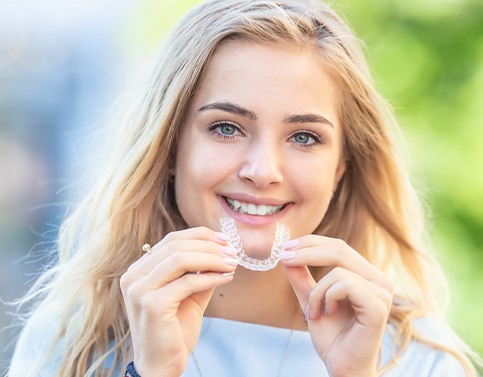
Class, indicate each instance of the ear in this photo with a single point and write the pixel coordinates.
(339, 172)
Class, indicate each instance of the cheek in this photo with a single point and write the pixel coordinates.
(316, 200)
(200, 167)
(192, 180)
(313, 185)
(313, 176)
(316, 194)
(190, 177)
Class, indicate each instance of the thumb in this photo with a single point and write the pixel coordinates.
(302, 283)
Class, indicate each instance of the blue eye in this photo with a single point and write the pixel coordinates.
(302, 138)
(225, 129)
(307, 138)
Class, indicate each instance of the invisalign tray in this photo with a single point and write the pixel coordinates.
(282, 235)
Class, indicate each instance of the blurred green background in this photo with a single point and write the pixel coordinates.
(427, 60)
(426, 57)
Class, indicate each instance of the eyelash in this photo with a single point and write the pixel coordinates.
(318, 140)
(214, 130)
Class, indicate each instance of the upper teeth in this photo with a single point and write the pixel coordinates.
(253, 209)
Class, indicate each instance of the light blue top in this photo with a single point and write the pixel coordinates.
(229, 348)
(236, 349)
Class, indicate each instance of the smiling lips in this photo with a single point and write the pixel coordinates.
(252, 209)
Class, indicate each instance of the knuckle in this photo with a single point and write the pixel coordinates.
(340, 245)
(347, 284)
(134, 293)
(189, 281)
(134, 296)
(338, 272)
(172, 244)
(340, 248)
(148, 304)
(387, 299)
(381, 310)
(126, 280)
(204, 231)
(176, 259)
(171, 236)
(390, 287)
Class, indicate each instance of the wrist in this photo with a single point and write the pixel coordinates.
(131, 371)
(360, 374)
(368, 373)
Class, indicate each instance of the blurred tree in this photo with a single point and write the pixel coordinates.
(427, 58)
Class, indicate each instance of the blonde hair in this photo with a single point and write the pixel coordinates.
(374, 208)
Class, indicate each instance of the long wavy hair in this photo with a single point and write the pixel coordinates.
(374, 209)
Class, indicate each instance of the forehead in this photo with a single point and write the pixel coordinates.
(257, 58)
(287, 76)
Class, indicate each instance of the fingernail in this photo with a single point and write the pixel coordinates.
(221, 236)
(228, 250)
(287, 255)
(290, 244)
(226, 274)
(307, 313)
(231, 261)
(326, 311)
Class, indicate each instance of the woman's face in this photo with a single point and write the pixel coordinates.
(261, 143)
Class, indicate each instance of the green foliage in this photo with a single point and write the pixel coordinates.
(427, 58)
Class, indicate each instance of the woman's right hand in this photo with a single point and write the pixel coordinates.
(166, 297)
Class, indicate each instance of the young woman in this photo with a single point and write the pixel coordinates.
(262, 112)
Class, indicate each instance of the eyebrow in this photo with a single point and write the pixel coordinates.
(307, 118)
(239, 110)
(230, 108)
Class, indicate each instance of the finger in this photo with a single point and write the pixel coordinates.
(148, 262)
(203, 298)
(180, 246)
(339, 274)
(197, 233)
(341, 284)
(368, 309)
(137, 262)
(170, 296)
(302, 283)
(177, 265)
(173, 266)
(320, 251)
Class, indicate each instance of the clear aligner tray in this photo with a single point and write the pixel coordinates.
(282, 235)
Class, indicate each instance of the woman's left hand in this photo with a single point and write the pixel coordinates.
(347, 309)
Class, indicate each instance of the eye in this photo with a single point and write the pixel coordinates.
(225, 129)
(307, 138)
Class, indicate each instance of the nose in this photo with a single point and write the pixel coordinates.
(262, 165)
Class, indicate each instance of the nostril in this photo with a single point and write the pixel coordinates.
(261, 173)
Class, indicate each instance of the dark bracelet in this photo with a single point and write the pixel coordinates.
(131, 371)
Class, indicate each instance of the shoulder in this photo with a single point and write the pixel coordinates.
(35, 353)
(41, 349)
(420, 358)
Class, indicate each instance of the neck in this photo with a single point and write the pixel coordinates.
(264, 298)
